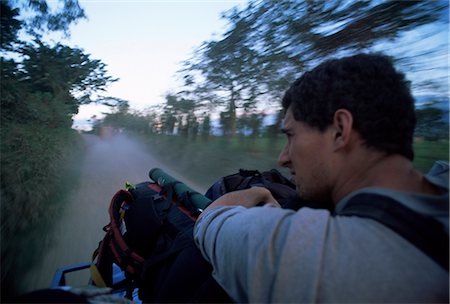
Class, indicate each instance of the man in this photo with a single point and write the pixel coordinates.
(349, 125)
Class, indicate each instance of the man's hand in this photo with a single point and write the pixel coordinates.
(247, 198)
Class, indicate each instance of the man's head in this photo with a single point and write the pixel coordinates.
(363, 94)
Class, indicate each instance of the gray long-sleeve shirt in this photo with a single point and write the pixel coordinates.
(276, 255)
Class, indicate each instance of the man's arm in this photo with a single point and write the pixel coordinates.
(246, 198)
(232, 239)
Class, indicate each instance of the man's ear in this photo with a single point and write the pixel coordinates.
(342, 128)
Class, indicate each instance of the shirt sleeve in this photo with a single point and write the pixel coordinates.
(244, 247)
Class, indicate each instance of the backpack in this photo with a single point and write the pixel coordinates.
(281, 188)
(150, 237)
(150, 227)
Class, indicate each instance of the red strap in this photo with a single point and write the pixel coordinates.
(118, 199)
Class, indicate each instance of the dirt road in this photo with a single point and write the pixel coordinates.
(108, 164)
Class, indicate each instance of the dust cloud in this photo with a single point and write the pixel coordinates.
(107, 165)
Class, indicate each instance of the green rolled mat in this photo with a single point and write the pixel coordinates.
(162, 178)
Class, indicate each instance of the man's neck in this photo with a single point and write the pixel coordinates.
(376, 170)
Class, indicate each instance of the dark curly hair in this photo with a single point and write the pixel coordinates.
(368, 86)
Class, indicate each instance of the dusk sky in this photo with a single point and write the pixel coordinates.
(144, 42)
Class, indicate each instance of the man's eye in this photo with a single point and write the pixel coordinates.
(287, 133)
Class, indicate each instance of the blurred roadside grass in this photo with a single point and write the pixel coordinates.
(38, 169)
(206, 161)
(427, 152)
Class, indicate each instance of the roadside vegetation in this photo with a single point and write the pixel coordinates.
(42, 86)
(427, 152)
(206, 161)
(39, 171)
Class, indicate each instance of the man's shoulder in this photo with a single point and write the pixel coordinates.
(434, 205)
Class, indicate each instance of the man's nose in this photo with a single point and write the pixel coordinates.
(283, 158)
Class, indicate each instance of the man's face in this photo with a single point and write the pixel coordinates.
(308, 156)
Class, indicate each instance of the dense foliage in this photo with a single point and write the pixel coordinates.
(42, 86)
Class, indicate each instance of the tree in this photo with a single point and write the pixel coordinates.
(180, 111)
(41, 18)
(432, 123)
(205, 130)
(36, 18)
(10, 25)
(250, 124)
(226, 68)
(48, 83)
(300, 33)
(53, 82)
(168, 121)
(269, 43)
